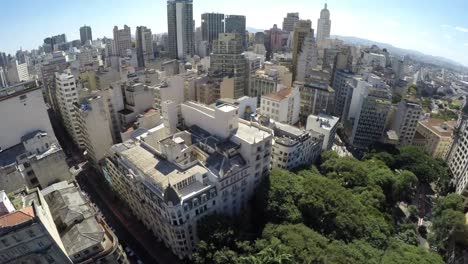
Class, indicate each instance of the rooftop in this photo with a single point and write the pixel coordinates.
(250, 133)
(18, 89)
(439, 127)
(158, 169)
(17, 217)
(280, 95)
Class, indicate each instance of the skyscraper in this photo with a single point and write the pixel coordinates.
(227, 60)
(274, 39)
(85, 34)
(290, 21)
(122, 40)
(211, 25)
(307, 60)
(323, 27)
(236, 24)
(302, 29)
(180, 28)
(144, 45)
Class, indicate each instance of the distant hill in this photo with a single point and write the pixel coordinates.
(254, 30)
(416, 55)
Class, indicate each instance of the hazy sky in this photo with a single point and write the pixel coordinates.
(436, 27)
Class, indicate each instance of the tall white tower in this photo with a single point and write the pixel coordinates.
(323, 27)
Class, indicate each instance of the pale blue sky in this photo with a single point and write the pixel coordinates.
(435, 27)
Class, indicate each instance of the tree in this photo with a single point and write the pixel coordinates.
(400, 253)
(349, 171)
(299, 241)
(357, 251)
(448, 221)
(284, 193)
(422, 165)
(404, 186)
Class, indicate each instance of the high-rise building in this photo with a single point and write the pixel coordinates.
(308, 59)
(316, 98)
(274, 41)
(370, 122)
(211, 25)
(86, 34)
(93, 118)
(180, 27)
(3, 78)
(290, 21)
(343, 93)
(58, 63)
(406, 120)
(323, 27)
(67, 95)
(227, 60)
(144, 45)
(302, 29)
(17, 72)
(122, 40)
(457, 158)
(236, 24)
(181, 177)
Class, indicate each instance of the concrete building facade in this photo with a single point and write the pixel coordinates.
(186, 175)
(282, 106)
(122, 40)
(405, 121)
(434, 136)
(227, 60)
(294, 147)
(289, 22)
(325, 125)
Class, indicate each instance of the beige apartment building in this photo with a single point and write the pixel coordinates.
(434, 136)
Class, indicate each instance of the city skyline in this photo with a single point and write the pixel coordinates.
(438, 29)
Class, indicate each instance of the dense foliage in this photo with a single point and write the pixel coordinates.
(344, 211)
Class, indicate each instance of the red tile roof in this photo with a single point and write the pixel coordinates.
(17, 217)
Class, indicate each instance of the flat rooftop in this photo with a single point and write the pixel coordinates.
(439, 127)
(250, 133)
(160, 170)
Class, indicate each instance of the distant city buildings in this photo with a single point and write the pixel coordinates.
(86, 34)
(180, 29)
(144, 45)
(122, 40)
(323, 27)
(237, 24)
(290, 21)
(302, 29)
(212, 24)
